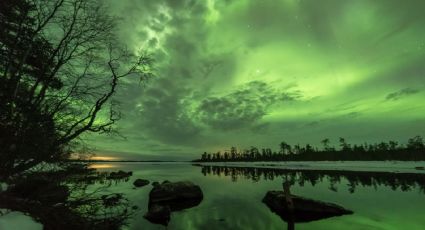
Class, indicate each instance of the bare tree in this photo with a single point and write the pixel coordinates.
(60, 67)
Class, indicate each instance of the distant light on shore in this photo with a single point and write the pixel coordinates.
(104, 158)
(102, 166)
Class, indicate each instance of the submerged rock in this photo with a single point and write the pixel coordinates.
(303, 209)
(158, 214)
(140, 182)
(172, 196)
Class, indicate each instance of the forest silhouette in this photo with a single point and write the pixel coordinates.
(414, 150)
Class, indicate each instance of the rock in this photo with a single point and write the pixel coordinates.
(305, 210)
(420, 168)
(177, 194)
(158, 214)
(155, 183)
(172, 196)
(140, 182)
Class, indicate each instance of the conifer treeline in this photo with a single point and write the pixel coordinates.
(414, 150)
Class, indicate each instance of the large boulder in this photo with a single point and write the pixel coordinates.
(303, 209)
(176, 194)
(172, 196)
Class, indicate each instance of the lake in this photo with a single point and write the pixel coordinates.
(233, 196)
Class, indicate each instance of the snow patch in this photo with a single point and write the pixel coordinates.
(18, 221)
(3, 186)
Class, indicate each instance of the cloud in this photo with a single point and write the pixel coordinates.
(161, 111)
(228, 72)
(401, 94)
(163, 115)
(242, 108)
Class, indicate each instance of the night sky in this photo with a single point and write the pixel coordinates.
(242, 73)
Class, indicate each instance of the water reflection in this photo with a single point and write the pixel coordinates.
(102, 166)
(238, 205)
(396, 181)
(74, 197)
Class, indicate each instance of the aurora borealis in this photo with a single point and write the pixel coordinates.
(245, 72)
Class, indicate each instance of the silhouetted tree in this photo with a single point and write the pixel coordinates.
(285, 148)
(383, 146)
(233, 153)
(269, 152)
(325, 143)
(393, 145)
(60, 66)
(343, 144)
(297, 148)
(226, 156)
(263, 154)
(416, 143)
(204, 156)
(253, 152)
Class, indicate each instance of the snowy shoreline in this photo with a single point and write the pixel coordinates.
(363, 166)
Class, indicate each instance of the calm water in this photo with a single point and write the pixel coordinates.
(232, 197)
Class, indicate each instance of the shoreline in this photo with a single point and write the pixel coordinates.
(360, 166)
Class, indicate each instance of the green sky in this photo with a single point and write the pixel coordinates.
(251, 72)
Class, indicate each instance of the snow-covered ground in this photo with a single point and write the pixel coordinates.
(18, 221)
(369, 166)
